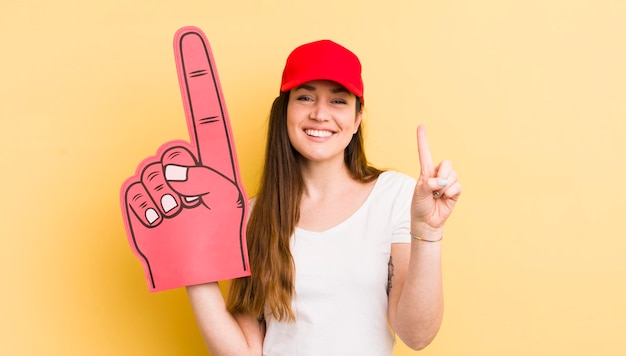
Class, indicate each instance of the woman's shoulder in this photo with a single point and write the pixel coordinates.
(393, 184)
(395, 178)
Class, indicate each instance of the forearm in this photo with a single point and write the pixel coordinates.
(420, 306)
(221, 331)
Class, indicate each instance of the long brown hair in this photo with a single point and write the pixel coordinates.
(274, 218)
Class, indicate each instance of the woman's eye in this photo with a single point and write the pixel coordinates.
(304, 98)
(339, 101)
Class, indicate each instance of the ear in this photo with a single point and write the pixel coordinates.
(357, 121)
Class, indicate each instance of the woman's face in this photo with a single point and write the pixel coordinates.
(321, 120)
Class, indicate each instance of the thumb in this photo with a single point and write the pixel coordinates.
(193, 182)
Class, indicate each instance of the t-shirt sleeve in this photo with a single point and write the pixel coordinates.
(405, 186)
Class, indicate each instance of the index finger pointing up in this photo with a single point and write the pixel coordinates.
(205, 109)
(426, 161)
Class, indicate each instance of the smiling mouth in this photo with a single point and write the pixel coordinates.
(318, 133)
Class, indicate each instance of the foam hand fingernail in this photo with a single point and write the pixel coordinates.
(168, 203)
(175, 173)
(151, 216)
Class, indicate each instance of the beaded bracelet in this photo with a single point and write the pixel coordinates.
(422, 239)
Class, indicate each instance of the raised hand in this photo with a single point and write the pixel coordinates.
(436, 192)
(185, 209)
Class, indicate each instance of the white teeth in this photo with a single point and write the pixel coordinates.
(318, 133)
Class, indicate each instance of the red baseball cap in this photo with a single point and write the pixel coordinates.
(323, 60)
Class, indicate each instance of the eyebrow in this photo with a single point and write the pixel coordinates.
(339, 89)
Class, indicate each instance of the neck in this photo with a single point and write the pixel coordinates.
(321, 178)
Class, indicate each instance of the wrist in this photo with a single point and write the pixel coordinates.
(422, 239)
(426, 232)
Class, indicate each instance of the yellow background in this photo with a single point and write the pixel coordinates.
(527, 98)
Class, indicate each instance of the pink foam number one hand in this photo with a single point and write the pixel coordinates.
(185, 209)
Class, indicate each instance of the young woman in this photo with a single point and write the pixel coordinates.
(343, 256)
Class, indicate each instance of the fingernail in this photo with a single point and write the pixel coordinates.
(151, 216)
(176, 173)
(190, 199)
(168, 202)
(442, 182)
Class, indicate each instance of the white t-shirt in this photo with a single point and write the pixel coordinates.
(340, 300)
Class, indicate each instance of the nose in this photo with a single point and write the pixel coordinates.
(319, 112)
